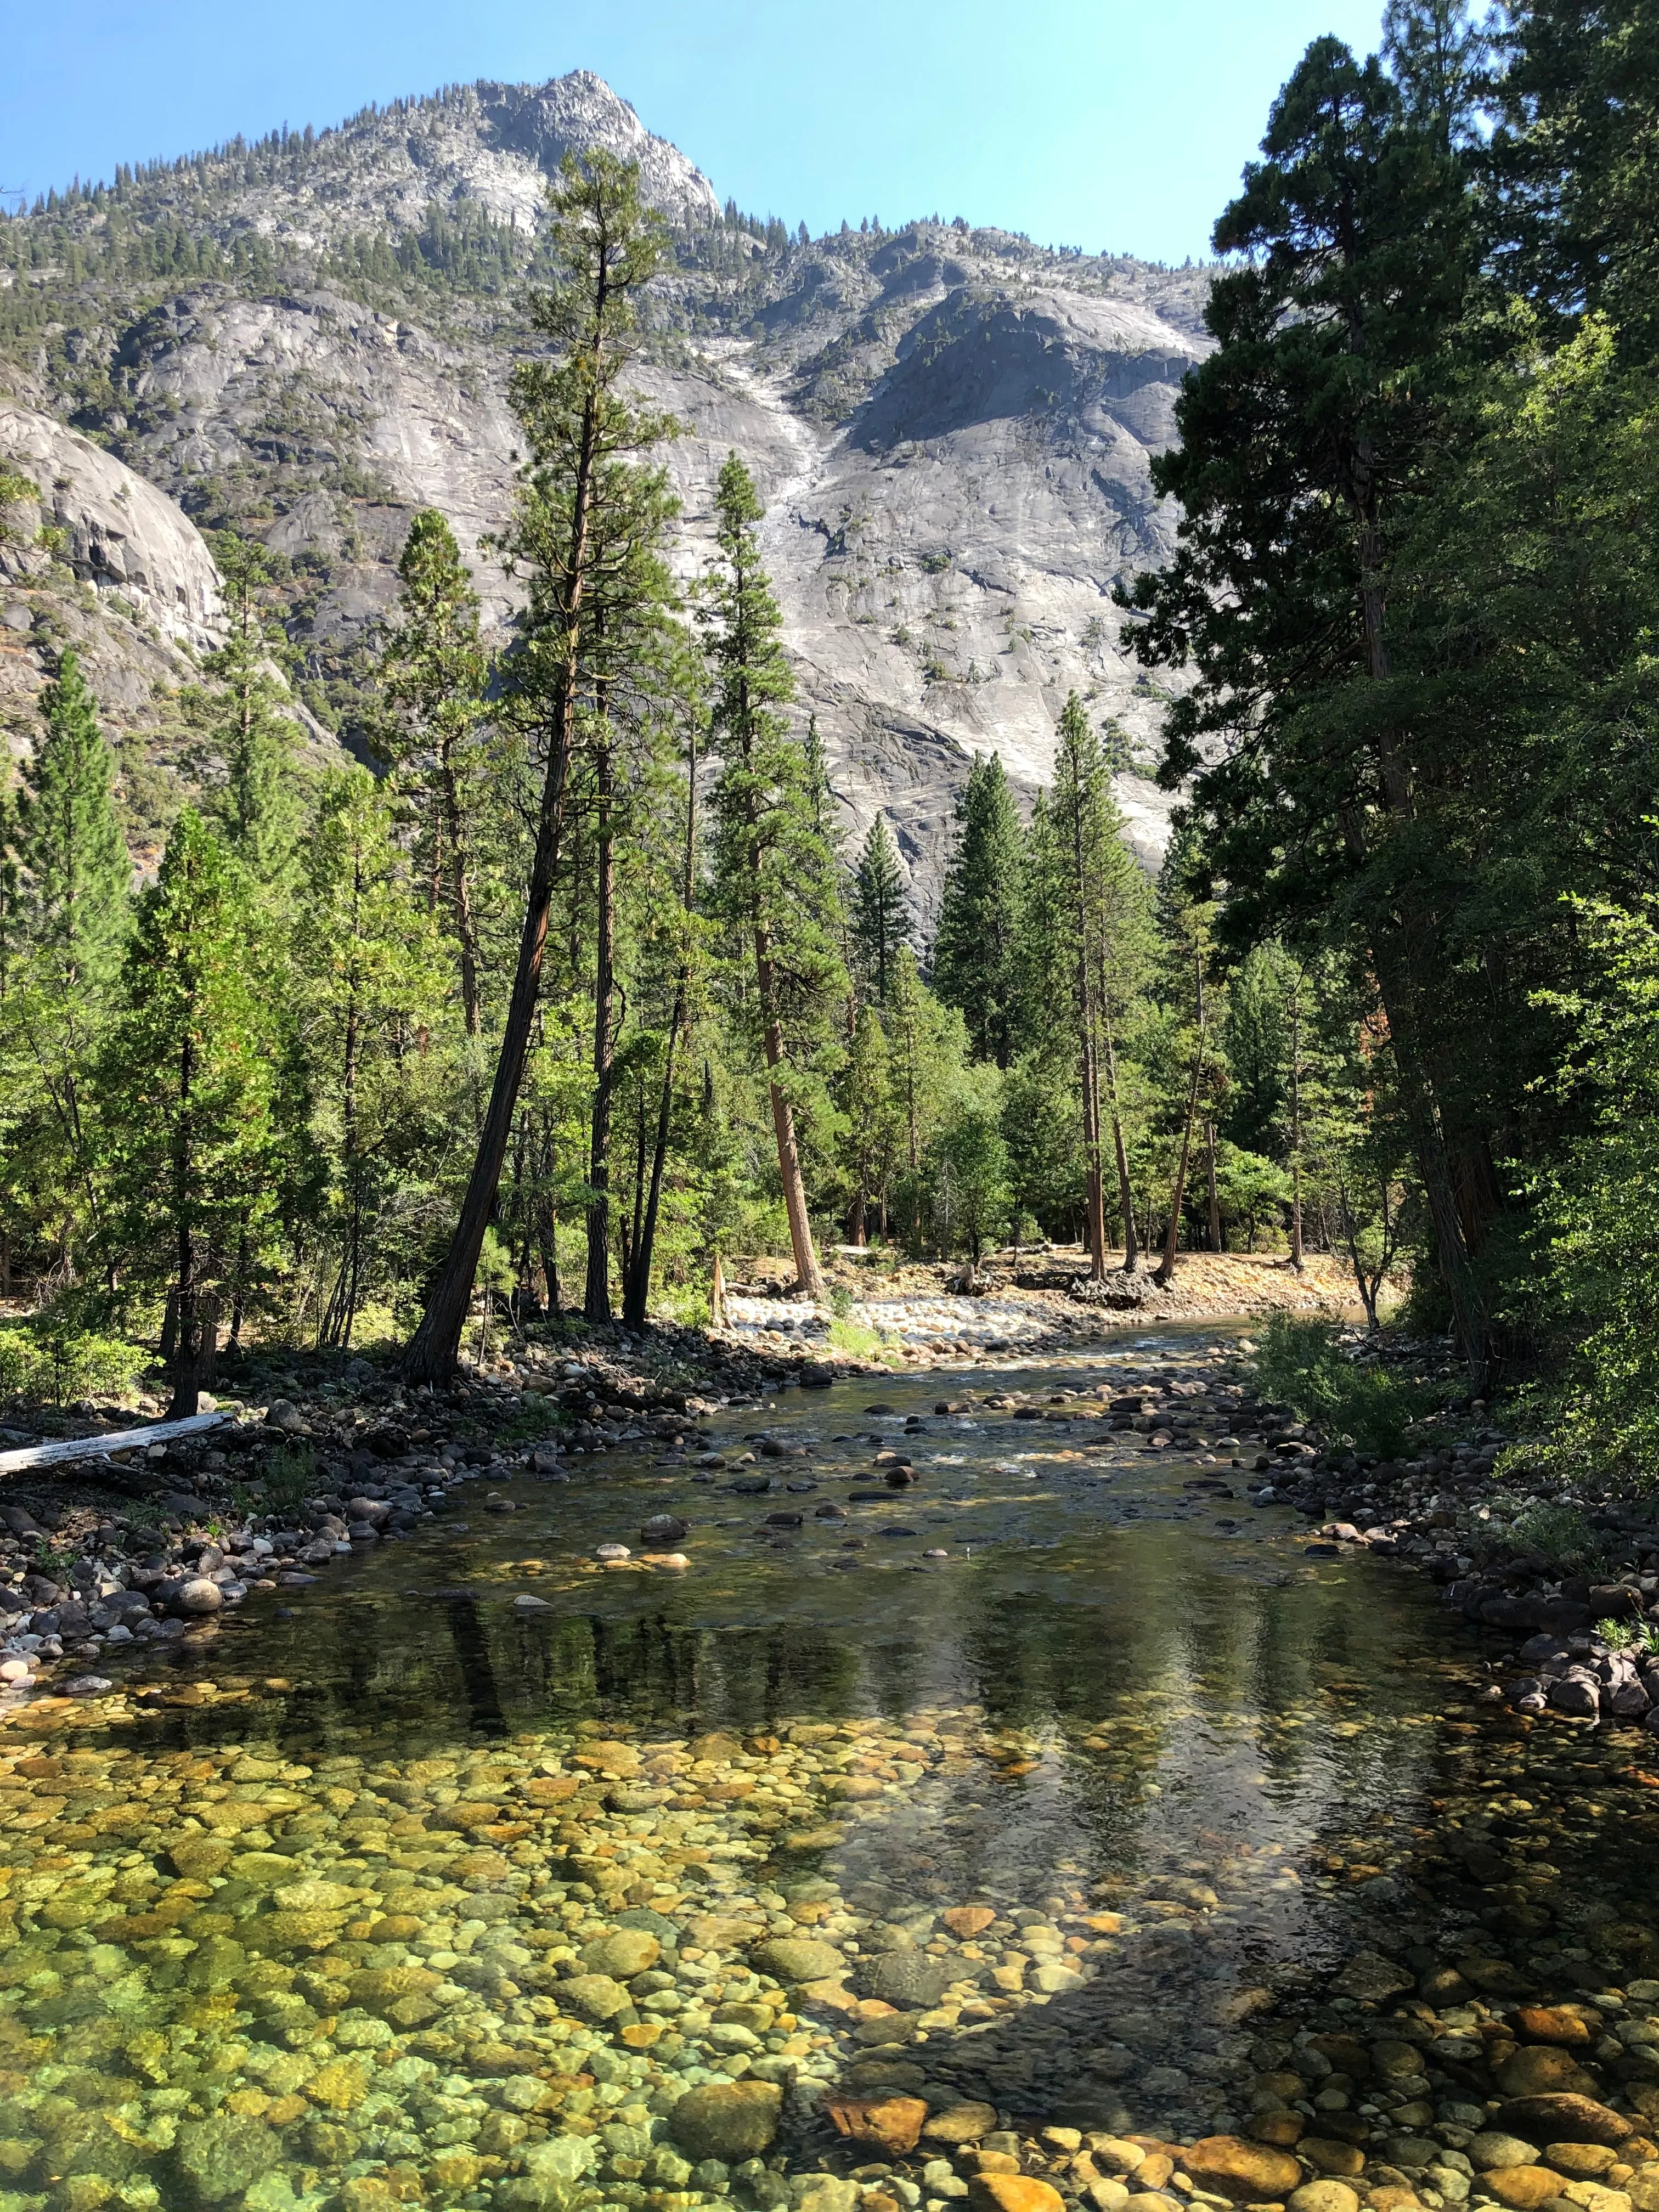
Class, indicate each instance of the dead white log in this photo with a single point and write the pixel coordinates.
(119, 1440)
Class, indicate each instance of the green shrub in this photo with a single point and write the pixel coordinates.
(288, 1474)
(45, 1360)
(1300, 1362)
(1560, 1533)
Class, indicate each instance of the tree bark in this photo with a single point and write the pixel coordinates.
(460, 894)
(1215, 1200)
(637, 1293)
(1163, 1274)
(596, 1303)
(809, 1275)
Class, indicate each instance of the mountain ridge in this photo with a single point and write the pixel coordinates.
(953, 427)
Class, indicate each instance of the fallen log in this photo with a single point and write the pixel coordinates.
(118, 1440)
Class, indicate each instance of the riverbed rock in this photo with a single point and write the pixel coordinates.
(1491, 2150)
(593, 1997)
(1540, 2069)
(910, 1979)
(630, 1951)
(1570, 2117)
(1013, 2192)
(1372, 1978)
(727, 2120)
(964, 2123)
(196, 1598)
(1248, 2173)
(893, 2123)
(1523, 2188)
(1322, 2197)
(798, 1958)
(1550, 2024)
(219, 2158)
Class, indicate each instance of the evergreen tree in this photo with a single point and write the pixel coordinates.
(75, 871)
(583, 484)
(878, 918)
(363, 960)
(244, 716)
(775, 876)
(187, 1082)
(434, 672)
(66, 910)
(870, 1125)
(974, 965)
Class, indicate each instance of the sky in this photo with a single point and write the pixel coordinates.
(1113, 126)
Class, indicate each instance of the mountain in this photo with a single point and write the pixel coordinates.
(309, 338)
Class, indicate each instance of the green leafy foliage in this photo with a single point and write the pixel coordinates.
(1300, 1362)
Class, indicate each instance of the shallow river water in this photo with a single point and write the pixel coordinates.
(484, 1873)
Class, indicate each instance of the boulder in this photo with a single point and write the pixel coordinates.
(728, 2120)
(594, 1996)
(797, 1959)
(630, 1951)
(911, 1979)
(894, 2125)
(1540, 2070)
(1248, 2173)
(1564, 2117)
(1013, 2192)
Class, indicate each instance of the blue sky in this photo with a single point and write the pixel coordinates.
(1115, 124)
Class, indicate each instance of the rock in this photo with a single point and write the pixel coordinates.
(1322, 2197)
(630, 1951)
(798, 1958)
(1572, 2119)
(1581, 2162)
(894, 2124)
(220, 2157)
(1523, 2188)
(1540, 2070)
(966, 1921)
(1013, 2192)
(910, 1979)
(1326, 2155)
(730, 2121)
(1486, 2151)
(553, 2173)
(663, 1529)
(196, 1598)
(965, 2122)
(1550, 2024)
(1248, 2173)
(593, 1997)
(1372, 1978)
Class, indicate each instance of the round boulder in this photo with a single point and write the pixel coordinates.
(1248, 2173)
(630, 1951)
(196, 1598)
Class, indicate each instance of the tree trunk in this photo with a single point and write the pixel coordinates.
(186, 1341)
(596, 1303)
(1125, 1192)
(1215, 1200)
(809, 1275)
(717, 1295)
(637, 1293)
(1163, 1274)
(460, 894)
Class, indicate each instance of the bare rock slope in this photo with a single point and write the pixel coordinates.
(953, 429)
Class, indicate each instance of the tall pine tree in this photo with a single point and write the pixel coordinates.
(974, 953)
(877, 919)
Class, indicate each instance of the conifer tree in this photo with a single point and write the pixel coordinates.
(582, 483)
(187, 1082)
(878, 918)
(244, 716)
(435, 672)
(774, 874)
(66, 892)
(871, 1128)
(974, 953)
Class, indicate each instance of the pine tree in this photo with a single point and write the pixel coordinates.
(435, 672)
(878, 918)
(364, 965)
(583, 484)
(66, 892)
(245, 718)
(186, 1083)
(774, 875)
(974, 953)
(870, 1126)
(73, 859)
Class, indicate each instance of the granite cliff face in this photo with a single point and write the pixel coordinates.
(952, 428)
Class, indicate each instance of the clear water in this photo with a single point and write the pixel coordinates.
(287, 1919)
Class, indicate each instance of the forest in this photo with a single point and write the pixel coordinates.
(582, 989)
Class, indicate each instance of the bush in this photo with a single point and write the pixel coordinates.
(1560, 1533)
(42, 1360)
(1301, 1362)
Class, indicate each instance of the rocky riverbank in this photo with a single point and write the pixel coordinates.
(1572, 1579)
